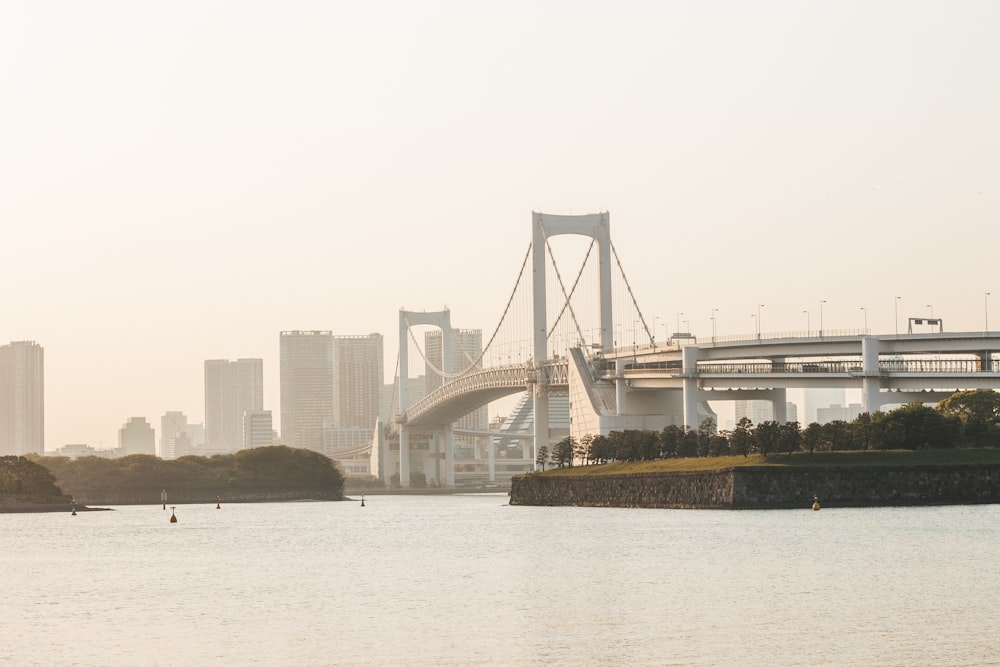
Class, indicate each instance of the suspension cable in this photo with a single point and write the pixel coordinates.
(442, 373)
(630, 293)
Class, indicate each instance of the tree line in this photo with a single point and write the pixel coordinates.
(260, 469)
(965, 419)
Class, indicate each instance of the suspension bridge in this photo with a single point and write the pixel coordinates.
(575, 353)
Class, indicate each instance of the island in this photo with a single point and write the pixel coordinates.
(26, 486)
(837, 479)
(262, 474)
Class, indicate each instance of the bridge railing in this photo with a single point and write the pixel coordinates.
(845, 366)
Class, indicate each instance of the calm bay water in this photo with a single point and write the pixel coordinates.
(468, 580)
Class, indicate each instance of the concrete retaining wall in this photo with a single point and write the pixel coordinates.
(767, 487)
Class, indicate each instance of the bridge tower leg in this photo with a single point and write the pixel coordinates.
(596, 226)
(871, 381)
(442, 320)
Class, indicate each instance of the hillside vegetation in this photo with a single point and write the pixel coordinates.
(264, 471)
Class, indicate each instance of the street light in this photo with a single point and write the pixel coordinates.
(931, 309)
(866, 318)
(678, 329)
(759, 306)
(986, 311)
(896, 313)
(808, 327)
(821, 302)
(756, 326)
(714, 311)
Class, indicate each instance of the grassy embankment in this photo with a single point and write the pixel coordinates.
(798, 459)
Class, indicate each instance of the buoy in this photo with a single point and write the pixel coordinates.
(217, 501)
(173, 517)
(362, 501)
(163, 498)
(815, 503)
(74, 510)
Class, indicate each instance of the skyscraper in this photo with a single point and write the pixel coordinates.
(232, 388)
(136, 436)
(357, 380)
(257, 429)
(22, 399)
(172, 425)
(306, 387)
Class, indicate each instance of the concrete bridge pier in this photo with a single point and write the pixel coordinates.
(871, 382)
(689, 371)
(448, 434)
(404, 456)
(779, 405)
(620, 389)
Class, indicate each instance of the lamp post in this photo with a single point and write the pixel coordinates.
(808, 327)
(896, 313)
(756, 326)
(714, 311)
(821, 302)
(759, 306)
(931, 308)
(865, 311)
(678, 329)
(986, 311)
(655, 318)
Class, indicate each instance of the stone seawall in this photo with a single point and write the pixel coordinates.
(767, 488)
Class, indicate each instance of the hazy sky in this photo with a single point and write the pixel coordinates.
(181, 181)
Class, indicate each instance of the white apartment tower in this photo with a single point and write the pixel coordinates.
(232, 388)
(258, 430)
(22, 399)
(172, 424)
(306, 387)
(357, 380)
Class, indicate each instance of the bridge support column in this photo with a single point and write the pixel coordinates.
(491, 460)
(871, 381)
(779, 406)
(620, 407)
(449, 456)
(404, 456)
(540, 403)
(986, 361)
(689, 370)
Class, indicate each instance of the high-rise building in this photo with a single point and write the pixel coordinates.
(232, 388)
(467, 345)
(136, 436)
(306, 387)
(357, 380)
(22, 399)
(258, 430)
(763, 411)
(172, 424)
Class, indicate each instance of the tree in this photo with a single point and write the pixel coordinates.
(584, 448)
(601, 449)
(979, 412)
(916, 426)
(563, 451)
(768, 437)
(670, 441)
(811, 437)
(789, 437)
(543, 457)
(741, 441)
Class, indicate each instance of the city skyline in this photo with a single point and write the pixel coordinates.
(182, 184)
